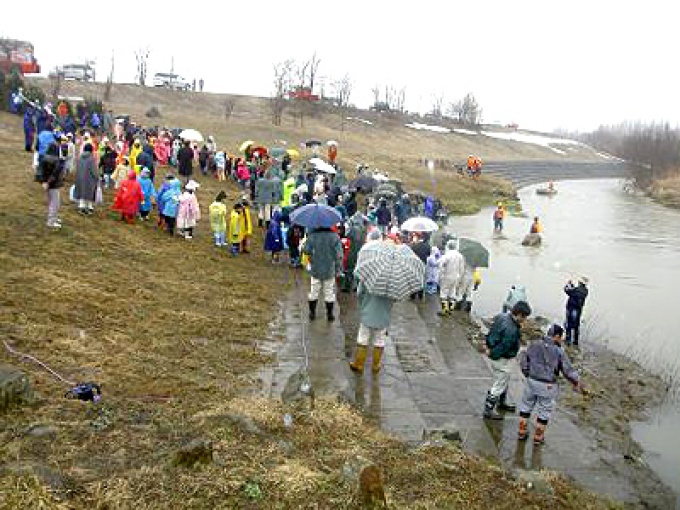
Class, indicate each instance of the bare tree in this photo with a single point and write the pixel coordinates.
(228, 105)
(437, 106)
(376, 95)
(343, 90)
(282, 81)
(304, 98)
(56, 81)
(313, 66)
(400, 100)
(142, 58)
(467, 110)
(108, 86)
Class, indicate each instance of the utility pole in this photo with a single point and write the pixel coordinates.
(172, 65)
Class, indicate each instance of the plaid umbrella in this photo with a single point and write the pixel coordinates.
(390, 270)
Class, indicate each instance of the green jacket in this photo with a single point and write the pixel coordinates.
(375, 311)
(503, 337)
(325, 251)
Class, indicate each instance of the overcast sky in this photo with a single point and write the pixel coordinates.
(543, 64)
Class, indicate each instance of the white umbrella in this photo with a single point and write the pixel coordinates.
(419, 224)
(331, 143)
(191, 135)
(381, 177)
(321, 166)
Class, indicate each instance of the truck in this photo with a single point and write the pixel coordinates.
(17, 56)
(78, 72)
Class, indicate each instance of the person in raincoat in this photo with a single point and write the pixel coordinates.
(375, 314)
(218, 219)
(498, 217)
(235, 228)
(242, 174)
(325, 253)
(149, 194)
(189, 211)
(246, 225)
(432, 271)
(185, 160)
(121, 172)
(541, 364)
(168, 202)
(515, 294)
(135, 151)
(451, 272)
(356, 234)
(273, 241)
(87, 179)
(220, 164)
(129, 198)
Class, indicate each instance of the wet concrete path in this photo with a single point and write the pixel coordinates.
(434, 380)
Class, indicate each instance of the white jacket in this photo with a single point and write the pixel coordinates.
(451, 268)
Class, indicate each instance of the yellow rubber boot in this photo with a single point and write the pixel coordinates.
(377, 358)
(360, 360)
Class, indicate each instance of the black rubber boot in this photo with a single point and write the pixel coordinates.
(504, 405)
(490, 412)
(329, 311)
(312, 310)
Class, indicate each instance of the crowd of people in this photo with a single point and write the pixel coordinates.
(121, 155)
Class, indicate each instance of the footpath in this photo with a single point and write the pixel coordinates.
(433, 382)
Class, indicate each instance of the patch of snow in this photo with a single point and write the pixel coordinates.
(544, 141)
(466, 132)
(605, 155)
(427, 127)
(360, 120)
(558, 151)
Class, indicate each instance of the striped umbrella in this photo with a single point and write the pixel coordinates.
(390, 270)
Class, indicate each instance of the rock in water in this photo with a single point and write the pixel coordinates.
(198, 451)
(532, 240)
(15, 389)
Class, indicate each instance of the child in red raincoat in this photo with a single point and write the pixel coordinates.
(129, 198)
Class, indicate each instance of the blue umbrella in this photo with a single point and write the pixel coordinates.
(315, 216)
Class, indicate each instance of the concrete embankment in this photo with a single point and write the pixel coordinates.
(525, 173)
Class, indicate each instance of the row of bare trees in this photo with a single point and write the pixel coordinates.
(466, 110)
(654, 148)
(294, 86)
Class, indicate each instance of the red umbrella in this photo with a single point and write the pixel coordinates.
(262, 151)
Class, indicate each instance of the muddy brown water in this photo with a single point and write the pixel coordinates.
(629, 248)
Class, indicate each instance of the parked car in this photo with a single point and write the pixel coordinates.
(170, 81)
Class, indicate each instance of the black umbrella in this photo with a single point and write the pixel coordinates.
(312, 143)
(364, 183)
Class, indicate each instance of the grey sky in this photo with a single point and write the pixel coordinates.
(543, 64)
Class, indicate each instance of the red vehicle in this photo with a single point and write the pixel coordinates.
(303, 93)
(17, 56)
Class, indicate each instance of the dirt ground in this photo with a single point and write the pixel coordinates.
(171, 329)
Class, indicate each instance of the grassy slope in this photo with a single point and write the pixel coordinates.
(171, 328)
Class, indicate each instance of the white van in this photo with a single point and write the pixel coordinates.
(79, 72)
(170, 81)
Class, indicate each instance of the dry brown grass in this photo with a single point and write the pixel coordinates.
(171, 329)
(667, 191)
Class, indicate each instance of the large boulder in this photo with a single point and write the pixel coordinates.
(532, 240)
(15, 388)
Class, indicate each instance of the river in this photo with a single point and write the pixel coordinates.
(629, 248)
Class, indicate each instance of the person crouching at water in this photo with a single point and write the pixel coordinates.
(374, 319)
(502, 346)
(536, 227)
(325, 253)
(542, 364)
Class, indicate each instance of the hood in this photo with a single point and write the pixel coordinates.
(132, 175)
(452, 245)
(434, 252)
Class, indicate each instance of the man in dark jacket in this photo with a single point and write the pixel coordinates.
(575, 303)
(53, 180)
(384, 217)
(502, 346)
(325, 253)
(421, 247)
(185, 158)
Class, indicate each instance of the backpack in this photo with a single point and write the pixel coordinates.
(42, 173)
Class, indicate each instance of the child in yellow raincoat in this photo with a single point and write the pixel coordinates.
(218, 219)
(246, 226)
(235, 228)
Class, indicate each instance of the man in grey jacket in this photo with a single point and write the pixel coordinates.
(325, 252)
(542, 364)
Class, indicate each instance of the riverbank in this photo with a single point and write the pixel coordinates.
(172, 330)
(666, 192)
